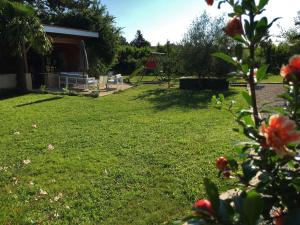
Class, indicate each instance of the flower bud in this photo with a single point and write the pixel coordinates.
(221, 163)
(203, 206)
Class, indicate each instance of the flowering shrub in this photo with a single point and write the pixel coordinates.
(268, 189)
(292, 69)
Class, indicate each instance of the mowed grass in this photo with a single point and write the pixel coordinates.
(136, 157)
(269, 79)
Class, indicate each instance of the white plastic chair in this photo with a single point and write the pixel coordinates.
(119, 79)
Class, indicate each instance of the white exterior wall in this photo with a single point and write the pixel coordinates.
(8, 81)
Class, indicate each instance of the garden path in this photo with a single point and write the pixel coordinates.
(267, 93)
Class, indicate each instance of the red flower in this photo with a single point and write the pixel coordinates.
(204, 206)
(295, 63)
(278, 221)
(292, 68)
(280, 132)
(234, 27)
(209, 2)
(278, 217)
(286, 71)
(221, 163)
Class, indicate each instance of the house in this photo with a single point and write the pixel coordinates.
(66, 57)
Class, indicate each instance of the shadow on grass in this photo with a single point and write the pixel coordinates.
(40, 101)
(185, 99)
(6, 94)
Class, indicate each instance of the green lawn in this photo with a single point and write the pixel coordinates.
(136, 157)
(273, 79)
(269, 79)
(139, 78)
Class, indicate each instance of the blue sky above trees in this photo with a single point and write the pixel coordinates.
(162, 20)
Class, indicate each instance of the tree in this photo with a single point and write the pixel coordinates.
(50, 10)
(171, 62)
(130, 58)
(20, 30)
(123, 41)
(139, 41)
(204, 37)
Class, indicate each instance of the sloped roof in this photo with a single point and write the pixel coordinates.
(70, 31)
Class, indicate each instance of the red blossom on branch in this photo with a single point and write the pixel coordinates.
(234, 27)
(292, 68)
(280, 132)
(209, 2)
(278, 217)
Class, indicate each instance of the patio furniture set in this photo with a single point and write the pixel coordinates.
(77, 80)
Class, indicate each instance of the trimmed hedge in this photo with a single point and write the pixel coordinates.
(192, 83)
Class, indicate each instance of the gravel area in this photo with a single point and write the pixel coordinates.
(113, 88)
(267, 93)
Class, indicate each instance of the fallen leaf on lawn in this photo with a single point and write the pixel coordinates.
(42, 192)
(59, 196)
(26, 161)
(50, 147)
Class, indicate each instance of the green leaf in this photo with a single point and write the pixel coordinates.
(262, 72)
(238, 9)
(226, 212)
(285, 96)
(249, 121)
(233, 164)
(225, 57)
(214, 99)
(212, 193)
(240, 39)
(245, 68)
(296, 184)
(252, 208)
(243, 113)
(239, 51)
(262, 25)
(221, 97)
(249, 170)
(247, 97)
(273, 21)
(220, 4)
(262, 4)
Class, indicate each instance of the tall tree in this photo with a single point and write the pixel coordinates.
(204, 37)
(139, 41)
(20, 30)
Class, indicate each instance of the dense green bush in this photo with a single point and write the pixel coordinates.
(130, 58)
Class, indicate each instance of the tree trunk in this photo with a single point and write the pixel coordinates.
(22, 69)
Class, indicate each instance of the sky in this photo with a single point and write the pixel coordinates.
(162, 20)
